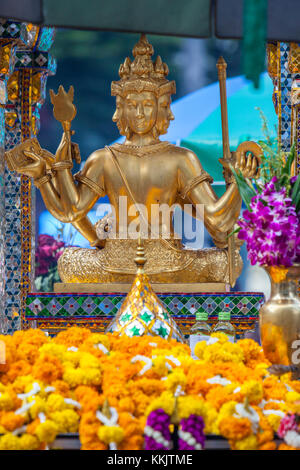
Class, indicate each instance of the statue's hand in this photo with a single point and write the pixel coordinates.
(248, 159)
(67, 151)
(36, 166)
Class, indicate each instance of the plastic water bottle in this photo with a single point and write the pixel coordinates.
(200, 331)
(224, 326)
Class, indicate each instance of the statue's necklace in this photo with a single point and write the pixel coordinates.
(140, 151)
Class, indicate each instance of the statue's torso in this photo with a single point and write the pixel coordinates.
(152, 179)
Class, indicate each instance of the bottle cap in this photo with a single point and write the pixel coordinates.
(224, 316)
(201, 316)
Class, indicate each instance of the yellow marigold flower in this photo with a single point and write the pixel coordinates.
(165, 401)
(58, 350)
(253, 390)
(47, 431)
(91, 377)
(174, 379)
(28, 442)
(98, 338)
(38, 407)
(9, 442)
(221, 337)
(248, 443)
(73, 377)
(223, 352)
(66, 420)
(55, 402)
(72, 358)
(88, 361)
(159, 366)
(199, 349)
(2, 429)
(6, 402)
(274, 421)
(108, 434)
(228, 409)
(291, 397)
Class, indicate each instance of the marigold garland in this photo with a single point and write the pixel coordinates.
(51, 386)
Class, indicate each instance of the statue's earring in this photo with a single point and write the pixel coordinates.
(155, 132)
(127, 132)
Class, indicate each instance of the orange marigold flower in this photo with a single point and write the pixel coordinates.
(252, 352)
(17, 369)
(61, 387)
(47, 368)
(284, 446)
(31, 427)
(11, 421)
(235, 428)
(73, 336)
(271, 445)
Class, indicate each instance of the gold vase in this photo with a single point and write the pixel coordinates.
(279, 320)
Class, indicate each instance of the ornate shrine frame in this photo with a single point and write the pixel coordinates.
(25, 64)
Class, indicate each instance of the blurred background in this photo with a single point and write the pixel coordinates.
(89, 60)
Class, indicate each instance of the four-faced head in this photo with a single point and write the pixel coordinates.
(143, 113)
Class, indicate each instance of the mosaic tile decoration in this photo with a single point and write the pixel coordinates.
(55, 312)
(27, 60)
(285, 98)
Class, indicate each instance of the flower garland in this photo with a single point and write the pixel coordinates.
(289, 431)
(59, 385)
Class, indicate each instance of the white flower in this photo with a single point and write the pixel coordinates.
(292, 439)
(145, 359)
(102, 348)
(217, 379)
(108, 421)
(72, 402)
(274, 412)
(250, 413)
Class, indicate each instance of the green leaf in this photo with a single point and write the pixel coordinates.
(234, 231)
(246, 192)
(290, 158)
(296, 190)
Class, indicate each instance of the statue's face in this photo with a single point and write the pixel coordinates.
(140, 111)
(118, 116)
(164, 113)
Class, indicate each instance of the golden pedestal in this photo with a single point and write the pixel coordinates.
(95, 288)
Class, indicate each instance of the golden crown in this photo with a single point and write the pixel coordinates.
(142, 74)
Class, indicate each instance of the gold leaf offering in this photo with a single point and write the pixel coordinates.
(63, 108)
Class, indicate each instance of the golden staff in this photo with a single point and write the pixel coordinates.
(64, 111)
(227, 157)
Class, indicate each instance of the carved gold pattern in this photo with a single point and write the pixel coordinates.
(115, 263)
(272, 55)
(294, 58)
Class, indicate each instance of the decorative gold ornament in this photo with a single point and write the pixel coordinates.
(5, 57)
(13, 87)
(11, 118)
(142, 313)
(294, 58)
(272, 55)
(142, 74)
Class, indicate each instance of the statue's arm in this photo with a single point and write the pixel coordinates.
(194, 184)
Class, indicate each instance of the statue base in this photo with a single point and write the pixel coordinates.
(54, 312)
(95, 288)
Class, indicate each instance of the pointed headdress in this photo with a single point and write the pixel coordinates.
(142, 74)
